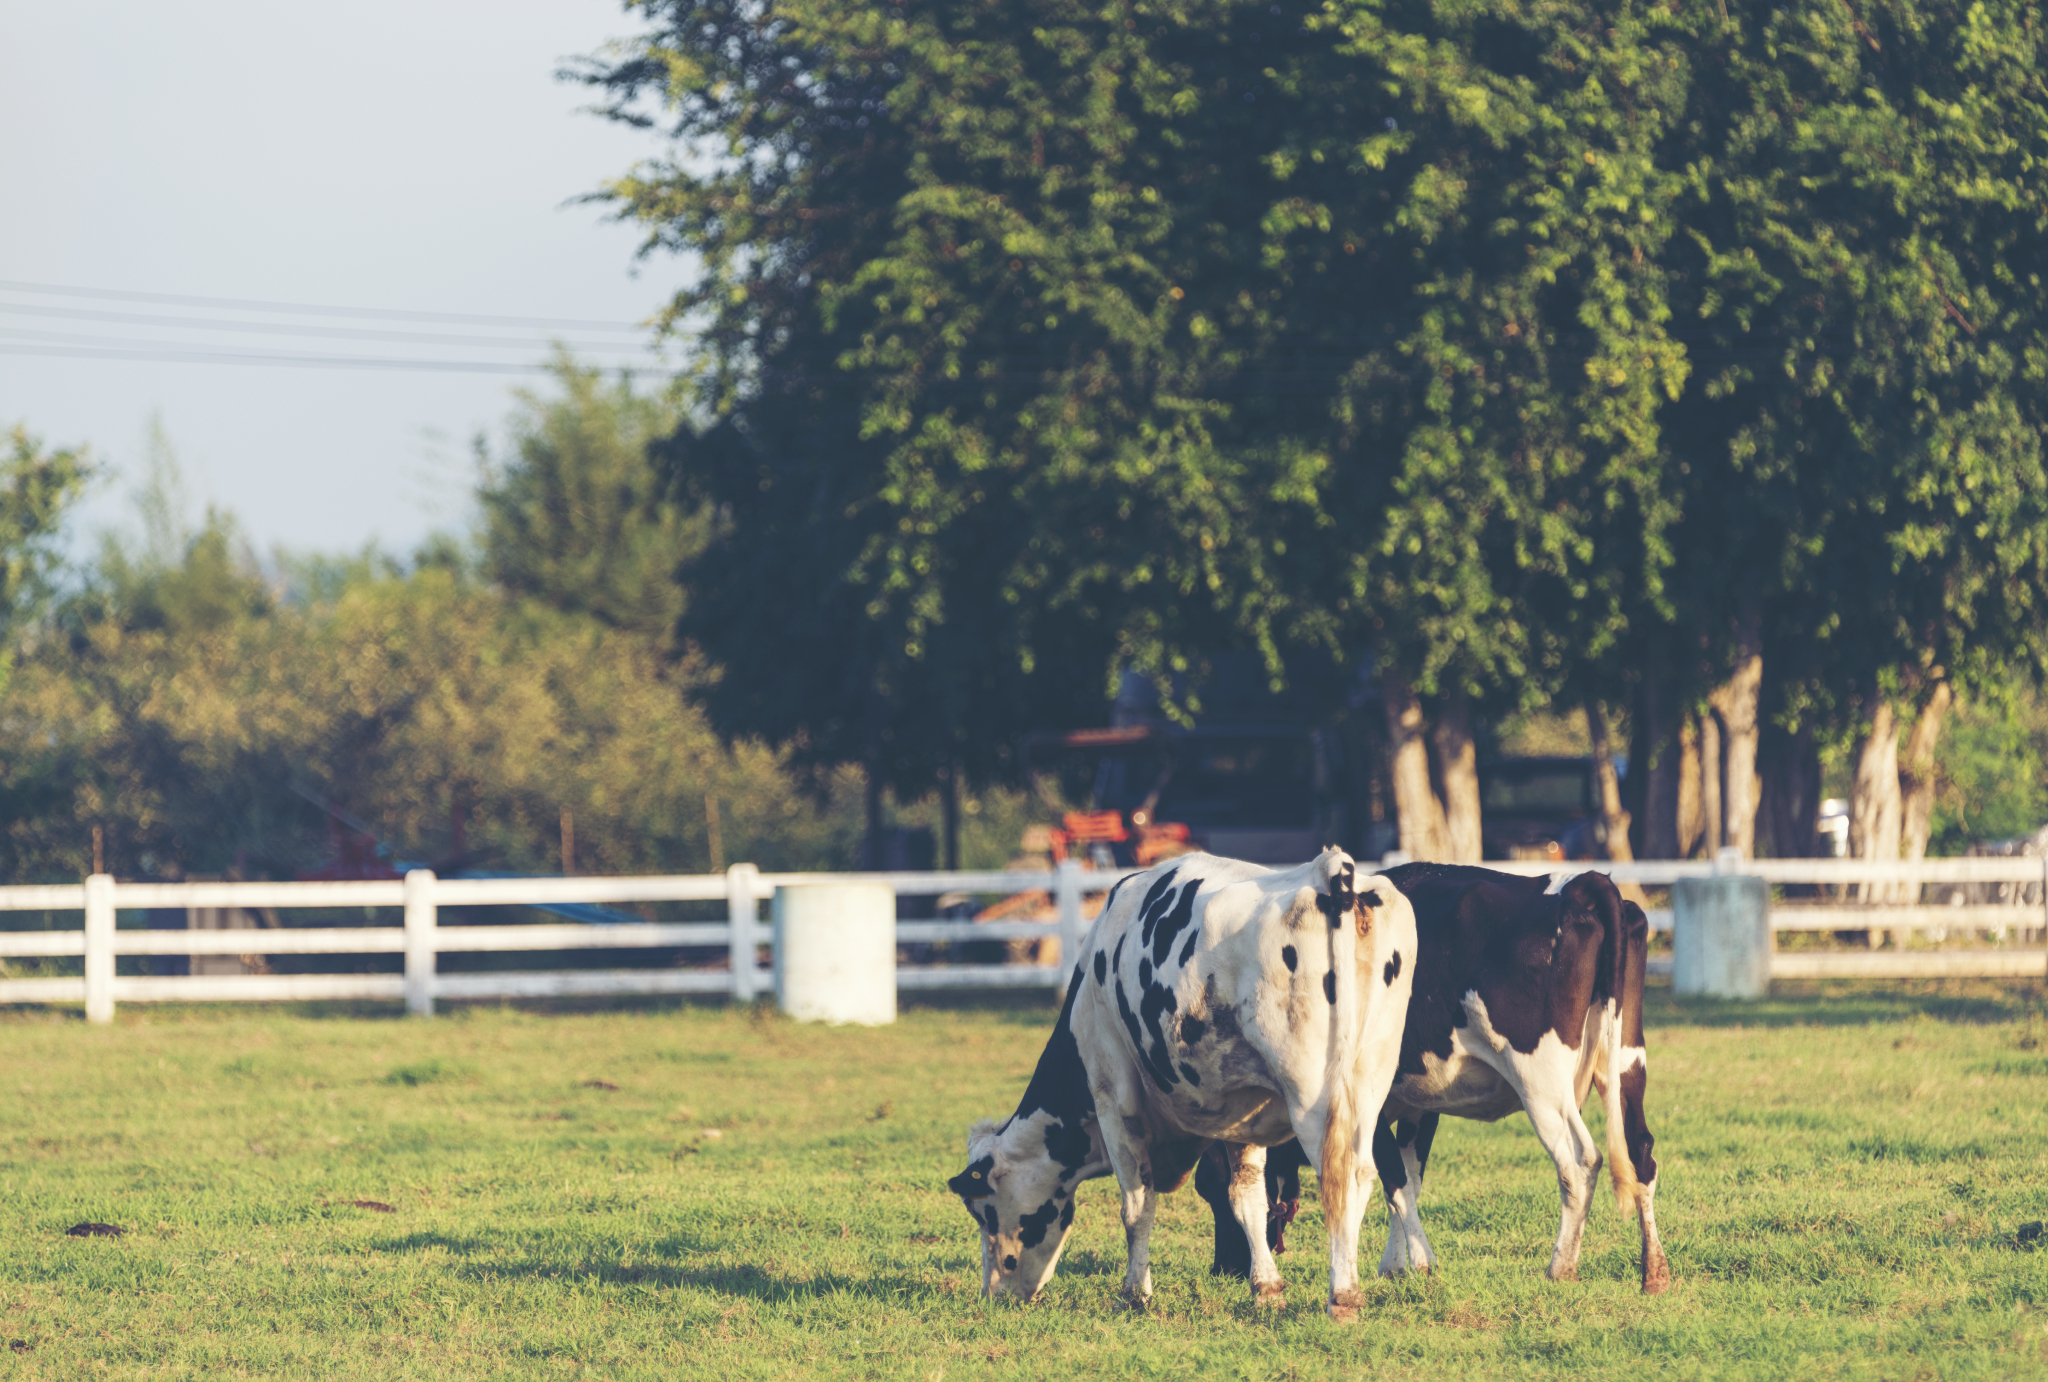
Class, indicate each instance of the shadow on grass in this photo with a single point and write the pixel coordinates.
(672, 1266)
(1846, 1003)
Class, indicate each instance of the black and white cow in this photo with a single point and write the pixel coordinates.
(1525, 996)
(1215, 1002)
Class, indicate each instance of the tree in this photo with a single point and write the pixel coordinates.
(576, 516)
(1535, 353)
(1863, 486)
(37, 487)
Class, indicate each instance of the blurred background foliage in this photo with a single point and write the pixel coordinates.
(196, 701)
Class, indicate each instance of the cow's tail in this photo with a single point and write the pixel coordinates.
(1621, 1014)
(1340, 1141)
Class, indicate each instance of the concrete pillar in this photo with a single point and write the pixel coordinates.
(1721, 937)
(835, 952)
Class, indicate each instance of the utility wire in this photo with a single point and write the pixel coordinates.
(352, 333)
(315, 309)
(231, 357)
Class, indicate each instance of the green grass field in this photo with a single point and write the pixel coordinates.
(1844, 1176)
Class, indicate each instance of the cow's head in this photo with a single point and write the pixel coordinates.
(1019, 1187)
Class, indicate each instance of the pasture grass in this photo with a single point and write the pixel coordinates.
(711, 1193)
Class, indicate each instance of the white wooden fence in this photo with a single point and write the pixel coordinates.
(2023, 881)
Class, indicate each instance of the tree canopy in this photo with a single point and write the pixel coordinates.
(1523, 350)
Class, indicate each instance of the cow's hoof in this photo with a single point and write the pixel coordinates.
(1344, 1305)
(1273, 1295)
(1656, 1277)
(1570, 1273)
(1130, 1300)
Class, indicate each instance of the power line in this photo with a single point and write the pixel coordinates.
(353, 333)
(315, 309)
(193, 356)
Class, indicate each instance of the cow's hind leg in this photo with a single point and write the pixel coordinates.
(1636, 1132)
(1248, 1208)
(1345, 1189)
(1565, 1136)
(1400, 1152)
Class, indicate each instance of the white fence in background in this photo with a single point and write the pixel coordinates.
(2006, 899)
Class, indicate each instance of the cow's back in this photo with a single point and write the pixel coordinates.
(1215, 979)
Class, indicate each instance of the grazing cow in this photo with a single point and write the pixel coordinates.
(1215, 1001)
(1524, 997)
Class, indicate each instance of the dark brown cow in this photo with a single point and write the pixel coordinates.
(1525, 997)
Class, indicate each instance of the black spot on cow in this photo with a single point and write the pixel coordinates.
(1067, 1145)
(1158, 887)
(1330, 986)
(1037, 1222)
(1393, 969)
(1144, 974)
(972, 1183)
(989, 1218)
(1371, 899)
(1171, 925)
(1067, 1215)
(1192, 1029)
(1010, 1263)
(1190, 1074)
(1187, 952)
(1116, 960)
(1123, 1010)
(1101, 965)
(1336, 902)
(1157, 1002)
(1289, 958)
(1156, 902)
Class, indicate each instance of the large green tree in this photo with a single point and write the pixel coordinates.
(1529, 351)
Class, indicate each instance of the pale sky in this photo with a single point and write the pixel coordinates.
(413, 156)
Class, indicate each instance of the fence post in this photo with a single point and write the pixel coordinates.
(1067, 889)
(742, 912)
(99, 948)
(420, 947)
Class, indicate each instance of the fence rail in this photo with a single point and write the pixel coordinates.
(2003, 897)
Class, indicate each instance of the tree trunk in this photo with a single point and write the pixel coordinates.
(1633, 798)
(1710, 784)
(1875, 815)
(1607, 788)
(1419, 818)
(1691, 804)
(1916, 775)
(871, 846)
(1458, 769)
(949, 803)
(1791, 806)
(1657, 763)
(1736, 703)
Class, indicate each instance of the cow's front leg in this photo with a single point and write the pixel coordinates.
(1248, 1206)
(1127, 1142)
(1565, 1136)
(1401, 1153)
(1140, 1202)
